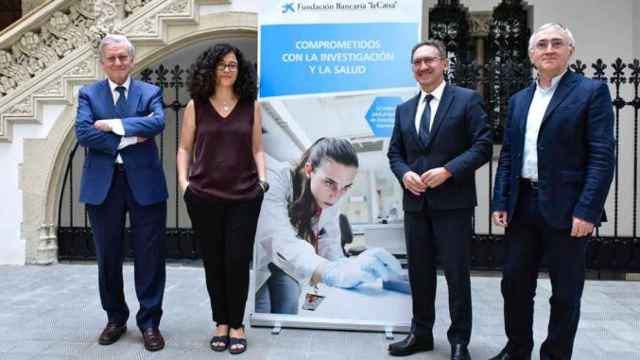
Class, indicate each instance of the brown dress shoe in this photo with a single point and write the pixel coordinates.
(153, 340)
(111, 333)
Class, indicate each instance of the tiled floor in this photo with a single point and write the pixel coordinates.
(53, 312)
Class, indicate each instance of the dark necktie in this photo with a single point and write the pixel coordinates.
(121, 103)
(425, 120)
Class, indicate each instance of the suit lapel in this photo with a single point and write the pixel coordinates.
(447, 98)
(107, 96)
(135, 93)
(565, 86)
(522, 112)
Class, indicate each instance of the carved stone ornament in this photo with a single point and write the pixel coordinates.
(148, 26)
(23, 107)
(132, 5)
(64, 31)
(109, 14)
(53, 88)
(479, 24)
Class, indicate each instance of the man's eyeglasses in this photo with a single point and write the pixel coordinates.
(426, 60)
(233, 67)
(556, 44)
(112, 59)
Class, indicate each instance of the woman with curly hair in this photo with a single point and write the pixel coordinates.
(221, 171)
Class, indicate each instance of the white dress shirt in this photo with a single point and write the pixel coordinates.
(435, 102)
(539, 103)
(437, 96)
(116, 124)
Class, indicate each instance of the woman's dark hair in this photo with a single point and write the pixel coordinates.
(303, 206)
(201, 80)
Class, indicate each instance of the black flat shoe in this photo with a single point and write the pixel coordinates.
(216, 341)
(240, 345)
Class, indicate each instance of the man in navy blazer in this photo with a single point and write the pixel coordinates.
(553, 177)
(116, 122)
(440, 138)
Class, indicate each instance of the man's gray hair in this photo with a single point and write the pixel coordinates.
(556, 26)
(111, 39)
(433, 43)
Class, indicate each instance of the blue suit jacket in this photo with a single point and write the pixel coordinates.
(459, 140)
(575, 152)
(141, 161)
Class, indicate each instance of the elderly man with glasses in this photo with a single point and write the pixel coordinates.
(553, 177)
(116, 122)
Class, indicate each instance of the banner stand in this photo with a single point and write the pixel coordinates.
(278, 321)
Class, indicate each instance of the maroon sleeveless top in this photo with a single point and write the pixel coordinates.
(223, 165)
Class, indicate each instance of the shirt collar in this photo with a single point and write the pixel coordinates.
(113, 85)
(436, 93)
(554, 82)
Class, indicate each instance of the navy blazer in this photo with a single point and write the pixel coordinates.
(575, 152)
(460, 140)
(141, 161)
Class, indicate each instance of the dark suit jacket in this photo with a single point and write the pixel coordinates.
(575, 152)
(141, 161)
(460, 140)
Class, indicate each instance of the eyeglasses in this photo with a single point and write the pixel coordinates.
(232, 66)
(426, 60)
(543, 44)
(112, 59)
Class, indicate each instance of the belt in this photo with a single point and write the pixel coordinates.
(118, 167)
(533, 185)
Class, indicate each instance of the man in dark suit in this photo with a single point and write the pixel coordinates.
(116, 121)
(553, 177)
(439, 139)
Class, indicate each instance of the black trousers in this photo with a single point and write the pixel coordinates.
(527, 240)
(446, 235)
(148, 229)
(225, 231)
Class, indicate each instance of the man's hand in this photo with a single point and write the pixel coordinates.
(500, 218)
(103, 125)
(412, 182)
(581, 228)
(141, 139)
(434, 177)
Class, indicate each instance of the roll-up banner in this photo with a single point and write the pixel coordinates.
(338, 69)
(325, 47)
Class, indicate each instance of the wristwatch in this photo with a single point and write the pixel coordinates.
(263, 185)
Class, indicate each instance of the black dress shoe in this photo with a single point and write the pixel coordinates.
(111, 333)
(153, 340)
(411, 345)
(460, 352)
(504, 355)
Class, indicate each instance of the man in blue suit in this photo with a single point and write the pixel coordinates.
(553, 177)
(439, 139)
(117, 120)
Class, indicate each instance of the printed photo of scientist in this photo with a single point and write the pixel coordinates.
(298, 241)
